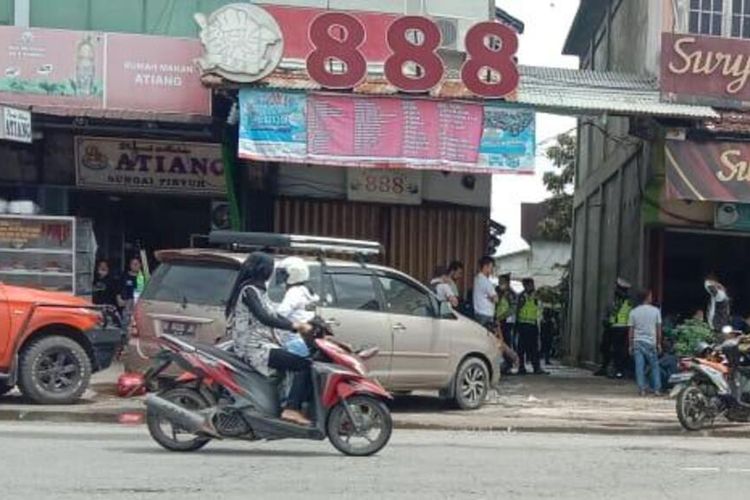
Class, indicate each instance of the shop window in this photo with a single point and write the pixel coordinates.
(192, 284)
(351, 291)
(706, 16)
(727, 18)
(404, 298)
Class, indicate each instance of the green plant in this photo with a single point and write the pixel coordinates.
(688, 334)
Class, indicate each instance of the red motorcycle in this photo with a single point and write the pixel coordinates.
(221, 397)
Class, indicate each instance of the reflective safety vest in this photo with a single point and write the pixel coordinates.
(503, 311)
(620, 316)
(529, 311)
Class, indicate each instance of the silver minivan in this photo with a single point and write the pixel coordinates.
(423, 344)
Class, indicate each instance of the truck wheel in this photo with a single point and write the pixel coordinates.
(472, 384)
(54, 370)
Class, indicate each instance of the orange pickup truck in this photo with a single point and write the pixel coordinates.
(51, 343)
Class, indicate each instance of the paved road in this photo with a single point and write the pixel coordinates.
(91, 461)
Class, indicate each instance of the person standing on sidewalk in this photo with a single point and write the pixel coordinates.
(614, 339)
(528, 314)
(484, 295)
(506, 306)
(644, 340)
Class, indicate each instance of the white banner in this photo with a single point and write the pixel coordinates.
(116, 164)
(15, 124)
(384, 186)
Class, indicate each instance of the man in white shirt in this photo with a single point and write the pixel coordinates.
(443, 288)
(485, 296)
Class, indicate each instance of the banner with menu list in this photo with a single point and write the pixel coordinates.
(385, 132)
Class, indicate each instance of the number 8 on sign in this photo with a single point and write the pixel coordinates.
(481, 57)
(342, 47)
(423, 54)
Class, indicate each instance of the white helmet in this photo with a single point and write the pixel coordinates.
(296, 269)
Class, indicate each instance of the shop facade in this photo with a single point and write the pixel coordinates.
(662, 200)
(360, 156)
(122, 137)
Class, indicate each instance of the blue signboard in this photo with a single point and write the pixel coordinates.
(509, 139)
(273, 124)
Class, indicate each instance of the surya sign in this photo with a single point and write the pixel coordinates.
(704, 69)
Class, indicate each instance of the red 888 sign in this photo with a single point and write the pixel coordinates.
(483, 53)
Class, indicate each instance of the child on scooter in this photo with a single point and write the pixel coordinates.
(298, 304)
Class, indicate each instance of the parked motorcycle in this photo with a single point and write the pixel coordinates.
(716, 382)
(221, 397)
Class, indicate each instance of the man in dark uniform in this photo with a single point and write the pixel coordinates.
(504, 311)
(614, 346)
(528, 314)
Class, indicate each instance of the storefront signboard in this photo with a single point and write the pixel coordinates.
(708, 171)
(244, 43)
(357, 131)
(709, 70)
(15, 125)
(117, 164)
(93, 70)
(384, 186)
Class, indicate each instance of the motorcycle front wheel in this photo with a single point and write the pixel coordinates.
(371, 432)
(694, 409)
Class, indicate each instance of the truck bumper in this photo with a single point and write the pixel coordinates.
(106, 343)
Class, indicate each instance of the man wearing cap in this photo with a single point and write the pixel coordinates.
(615, 338)
(528, 314)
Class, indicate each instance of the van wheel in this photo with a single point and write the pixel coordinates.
(54, 370)
(472, 384)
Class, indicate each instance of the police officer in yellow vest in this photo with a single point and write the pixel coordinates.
(528, 315)
(614, 346)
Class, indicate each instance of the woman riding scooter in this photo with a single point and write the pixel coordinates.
(252, 323)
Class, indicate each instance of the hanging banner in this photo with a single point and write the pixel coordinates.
(93, 70)
(273, 125)
(355, 131)
(149, 166)
(708, 171)
(509, 139)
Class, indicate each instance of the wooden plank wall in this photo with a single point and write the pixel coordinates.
(416, 239)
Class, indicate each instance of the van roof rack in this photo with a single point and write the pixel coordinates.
(237, 240)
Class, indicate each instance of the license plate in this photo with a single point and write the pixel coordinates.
(178, 328)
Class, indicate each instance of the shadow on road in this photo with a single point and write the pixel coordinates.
(249, 452)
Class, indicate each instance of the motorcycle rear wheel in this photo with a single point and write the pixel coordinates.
(372, 414)
(693, 409)
(187, 398)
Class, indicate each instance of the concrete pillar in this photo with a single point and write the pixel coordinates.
(22, 13)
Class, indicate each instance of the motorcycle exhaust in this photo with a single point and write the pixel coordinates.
(189, 420)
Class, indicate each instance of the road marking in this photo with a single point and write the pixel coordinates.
(700, 469)
(742, 471)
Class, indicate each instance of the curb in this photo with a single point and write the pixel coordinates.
(136, 416)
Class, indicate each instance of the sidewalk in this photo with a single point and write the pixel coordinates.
(569, 400)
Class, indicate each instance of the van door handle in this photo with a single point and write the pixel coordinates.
(399, 327)
(333, 322)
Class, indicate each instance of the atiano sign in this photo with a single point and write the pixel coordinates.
(152, 166)
(705, 70)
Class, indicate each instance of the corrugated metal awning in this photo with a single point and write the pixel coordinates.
(554, 90)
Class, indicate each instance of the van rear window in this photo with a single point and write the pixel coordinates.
(191, 283)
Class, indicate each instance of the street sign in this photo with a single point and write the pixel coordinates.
(15, 125)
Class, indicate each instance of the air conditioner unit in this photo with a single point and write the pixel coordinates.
(450, 32)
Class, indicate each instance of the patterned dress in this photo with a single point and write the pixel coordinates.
(253, 340)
